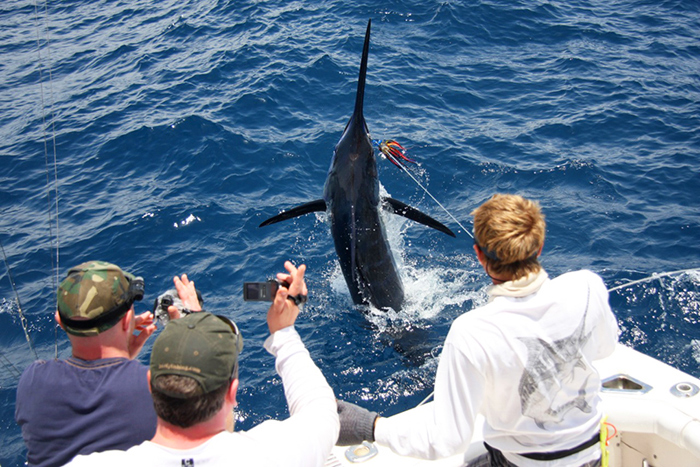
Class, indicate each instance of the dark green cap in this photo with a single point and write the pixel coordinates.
(203, 346)
(94, 296)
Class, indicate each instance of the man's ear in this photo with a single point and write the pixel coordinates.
(127, 318)
(232, 390)
(480, 255)
(231, 399)
(57, 317)
(148, 378)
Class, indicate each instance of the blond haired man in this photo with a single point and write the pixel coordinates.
(523, 360)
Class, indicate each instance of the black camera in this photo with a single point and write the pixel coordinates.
(261, 291)
(137, 288)
(168, 298)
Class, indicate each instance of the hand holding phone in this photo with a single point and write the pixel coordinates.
(261, 291)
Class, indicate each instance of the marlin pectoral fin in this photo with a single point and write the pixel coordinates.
(402, 209)
(318, 205)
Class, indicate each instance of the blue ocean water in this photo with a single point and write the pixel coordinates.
(178, 126)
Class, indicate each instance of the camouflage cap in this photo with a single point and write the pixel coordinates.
(93, 297)
(202, 346)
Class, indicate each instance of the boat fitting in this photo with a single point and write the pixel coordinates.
(361, 452)
(684, 389)
(625, 383)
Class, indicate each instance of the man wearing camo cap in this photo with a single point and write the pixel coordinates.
(194, 380)
(98, 398)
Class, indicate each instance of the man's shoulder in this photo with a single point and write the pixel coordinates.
(145, 453)
(105, 458)
(41, 369)
(43, 376)
(475, 322)
(578, 275)
(48, 368)
(248, 450)
(43, 364)
(103, 363)
(577, 278)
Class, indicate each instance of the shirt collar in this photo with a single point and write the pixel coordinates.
(519, 288)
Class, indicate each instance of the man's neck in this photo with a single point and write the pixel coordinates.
(112, 343)
(500, 279)
(97, 352)
(185, 438)
(497, 281)
(520, 287)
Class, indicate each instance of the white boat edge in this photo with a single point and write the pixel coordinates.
(654, 407)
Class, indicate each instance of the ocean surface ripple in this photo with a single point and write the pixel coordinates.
(158, 135)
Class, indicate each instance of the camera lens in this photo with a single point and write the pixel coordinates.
(137, 288)
(166, 301)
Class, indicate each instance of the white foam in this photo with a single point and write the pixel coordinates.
(187, 221)
(429, 288)
(695, 348)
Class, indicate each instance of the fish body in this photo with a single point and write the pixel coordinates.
(352, 199)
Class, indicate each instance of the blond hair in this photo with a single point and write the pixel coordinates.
(510, 230)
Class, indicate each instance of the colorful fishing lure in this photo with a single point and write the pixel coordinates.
(393, 151)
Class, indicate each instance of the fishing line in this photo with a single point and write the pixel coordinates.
(392, 150)
(395, 152)
(22, 319)
(430, 396)
(438, 202)
(652, 277)
(54, 265)
(612, 289)
(53, 239)
(10, 366)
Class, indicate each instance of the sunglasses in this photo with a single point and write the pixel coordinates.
(238, 342)
(492, 256)
(488, 253)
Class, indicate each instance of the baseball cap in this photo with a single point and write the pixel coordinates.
(201, 345)
(94, 296)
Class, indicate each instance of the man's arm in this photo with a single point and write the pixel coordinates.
(144, 322)
(606, 330)
(187, 293)
(445, 426)
(307, 437)
(145, 326)
(283, 312)
(313, 426)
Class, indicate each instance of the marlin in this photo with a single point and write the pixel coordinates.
(352, 199)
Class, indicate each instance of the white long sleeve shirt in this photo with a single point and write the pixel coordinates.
(304, 439)
(523, 361)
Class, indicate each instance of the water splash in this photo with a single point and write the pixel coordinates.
(187, 221)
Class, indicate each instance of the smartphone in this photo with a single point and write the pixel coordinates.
(260, 291)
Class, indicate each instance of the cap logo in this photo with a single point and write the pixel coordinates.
(174, 366)
(85, 305)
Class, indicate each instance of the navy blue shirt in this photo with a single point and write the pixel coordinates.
(70, 407)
